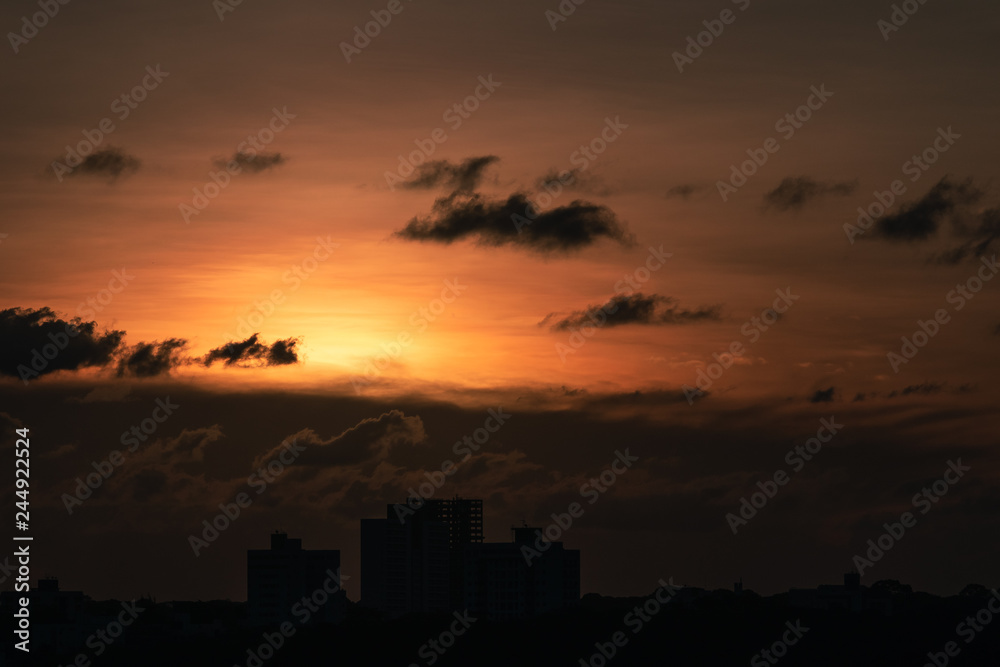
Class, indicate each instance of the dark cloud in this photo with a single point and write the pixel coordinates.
(37, 342)
(516, 221)
(574, 180)
(979, 238)
(282, 352)
(181, 466)
(924, 388)
(251, 352)
(694, 467)
(371, 438)
(974, 230)
(921, 389)
(683, 191)
(823, 395)
(635, 309)
(508, 223)
(610, 403)
(152, 359)
(148, 484)
(252, 163)
(919, 220)
(111, 161)
(795, 192)
(462, 177)
(104, 393)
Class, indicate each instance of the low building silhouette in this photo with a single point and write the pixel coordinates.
(61, 619)
(280, 577)
(502, 582)
(852, 596)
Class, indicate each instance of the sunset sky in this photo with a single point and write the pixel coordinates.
(332, 264)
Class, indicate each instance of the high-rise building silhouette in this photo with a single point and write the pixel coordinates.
(405, 561)
(429, 555)
(517, 579)
(278, 578)
(464, 517)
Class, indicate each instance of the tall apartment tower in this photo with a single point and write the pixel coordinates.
(411, 561)
(405, 563)
(279, 577)
(429, 555)
(464, 517)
